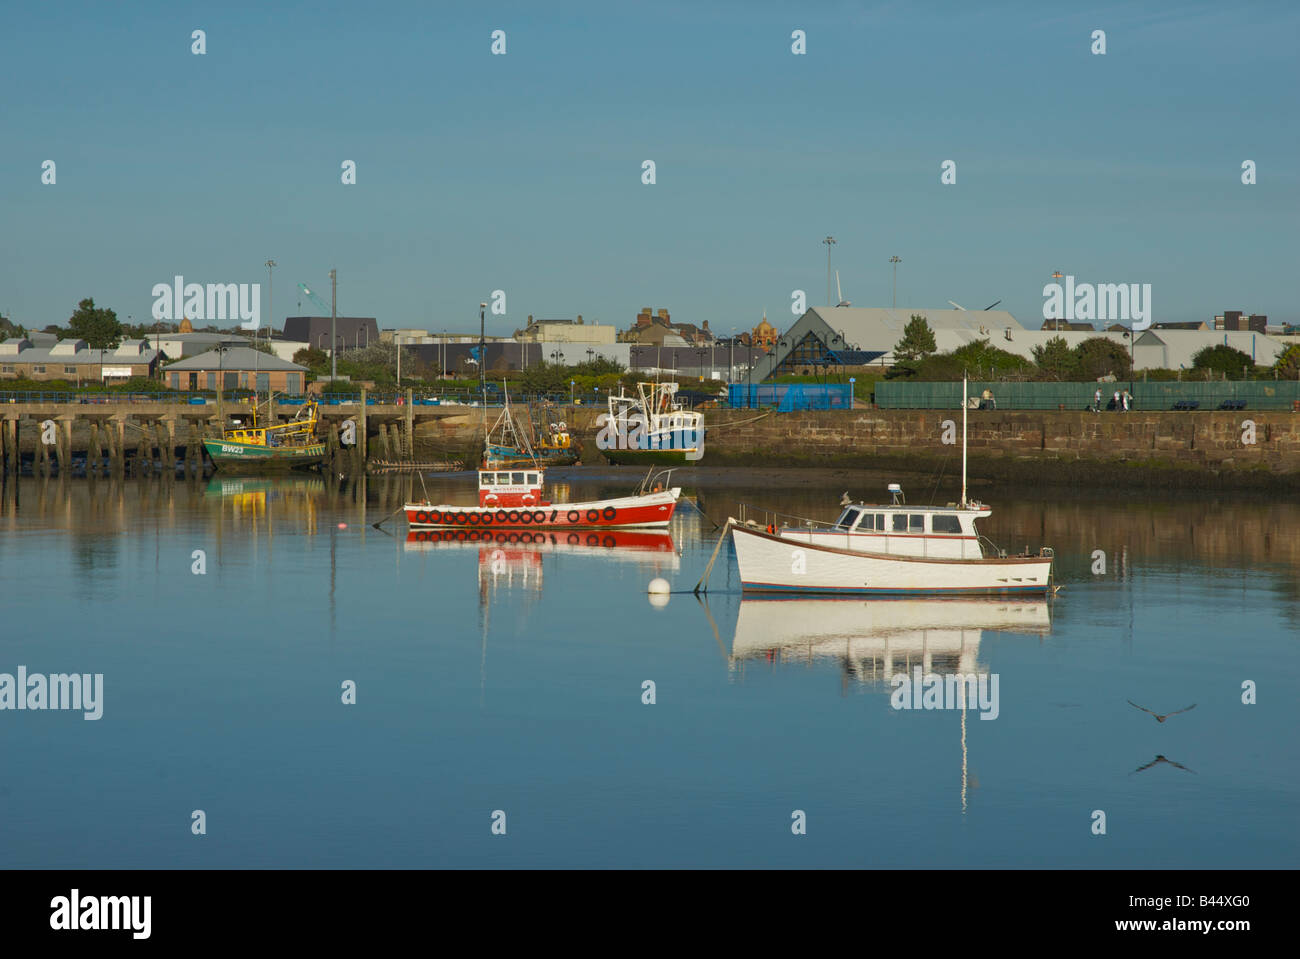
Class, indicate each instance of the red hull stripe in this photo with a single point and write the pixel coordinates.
(556, 518)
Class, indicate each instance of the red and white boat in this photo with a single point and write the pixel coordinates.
(512, 499)
(626, 543)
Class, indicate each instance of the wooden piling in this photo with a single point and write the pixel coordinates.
(119, 452)
(141, 450)
(94, 452)
(361, 434)
(408, 443)
(65, 455)
(193, 448)
(41, 463)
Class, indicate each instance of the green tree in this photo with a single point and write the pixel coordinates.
(979, 360)
(917, 342)
(1055, 359)
(96, 325)
(8, 329)
(1223, 360)
(1288, 363)
(315, 360)
(1097, 356)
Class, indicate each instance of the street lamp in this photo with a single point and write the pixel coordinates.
(1132, 357)
(895, 260)
(1056, 275)
(221, 384)
(482, 352)
(829, 241)
(157, 348)
(334, 319)
(270, 301)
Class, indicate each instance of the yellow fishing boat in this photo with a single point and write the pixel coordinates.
(246, 446)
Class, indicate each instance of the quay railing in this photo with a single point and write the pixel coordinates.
(233, 398)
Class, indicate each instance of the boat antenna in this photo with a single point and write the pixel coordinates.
(964, 405)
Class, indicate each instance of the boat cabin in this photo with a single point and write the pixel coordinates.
(244, 428)
(934, 532)
(510, 488)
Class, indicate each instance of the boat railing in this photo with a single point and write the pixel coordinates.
(760, 516)
(655, 481)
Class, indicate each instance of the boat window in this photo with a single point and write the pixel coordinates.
(909, 523)
(945, 523)
(517, 479)
(873, 521)
(848, 519)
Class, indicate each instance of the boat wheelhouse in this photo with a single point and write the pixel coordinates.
(946, 532)
(510, 487)
(652, 426)
(248, 445)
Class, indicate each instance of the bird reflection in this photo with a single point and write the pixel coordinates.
(1161, 718)
(1161, 759)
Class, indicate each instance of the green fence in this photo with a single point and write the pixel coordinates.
(1165, 395)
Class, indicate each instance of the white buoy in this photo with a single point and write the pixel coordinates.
(659, 589)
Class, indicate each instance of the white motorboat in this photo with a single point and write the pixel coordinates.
(892, 549)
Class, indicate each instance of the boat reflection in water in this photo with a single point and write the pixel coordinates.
(296, 496)
(512, 559)
(877, 640)
(873, 640)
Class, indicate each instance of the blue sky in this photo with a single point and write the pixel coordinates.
(523, 172)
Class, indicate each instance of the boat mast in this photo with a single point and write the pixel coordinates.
(964, 404)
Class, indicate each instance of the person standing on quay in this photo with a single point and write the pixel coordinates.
(1096, 401)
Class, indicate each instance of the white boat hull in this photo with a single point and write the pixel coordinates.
(770, 563)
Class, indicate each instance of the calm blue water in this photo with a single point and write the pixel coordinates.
(510, 678)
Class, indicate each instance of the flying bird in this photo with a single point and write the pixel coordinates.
(1161, 759)
(1160, 718)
